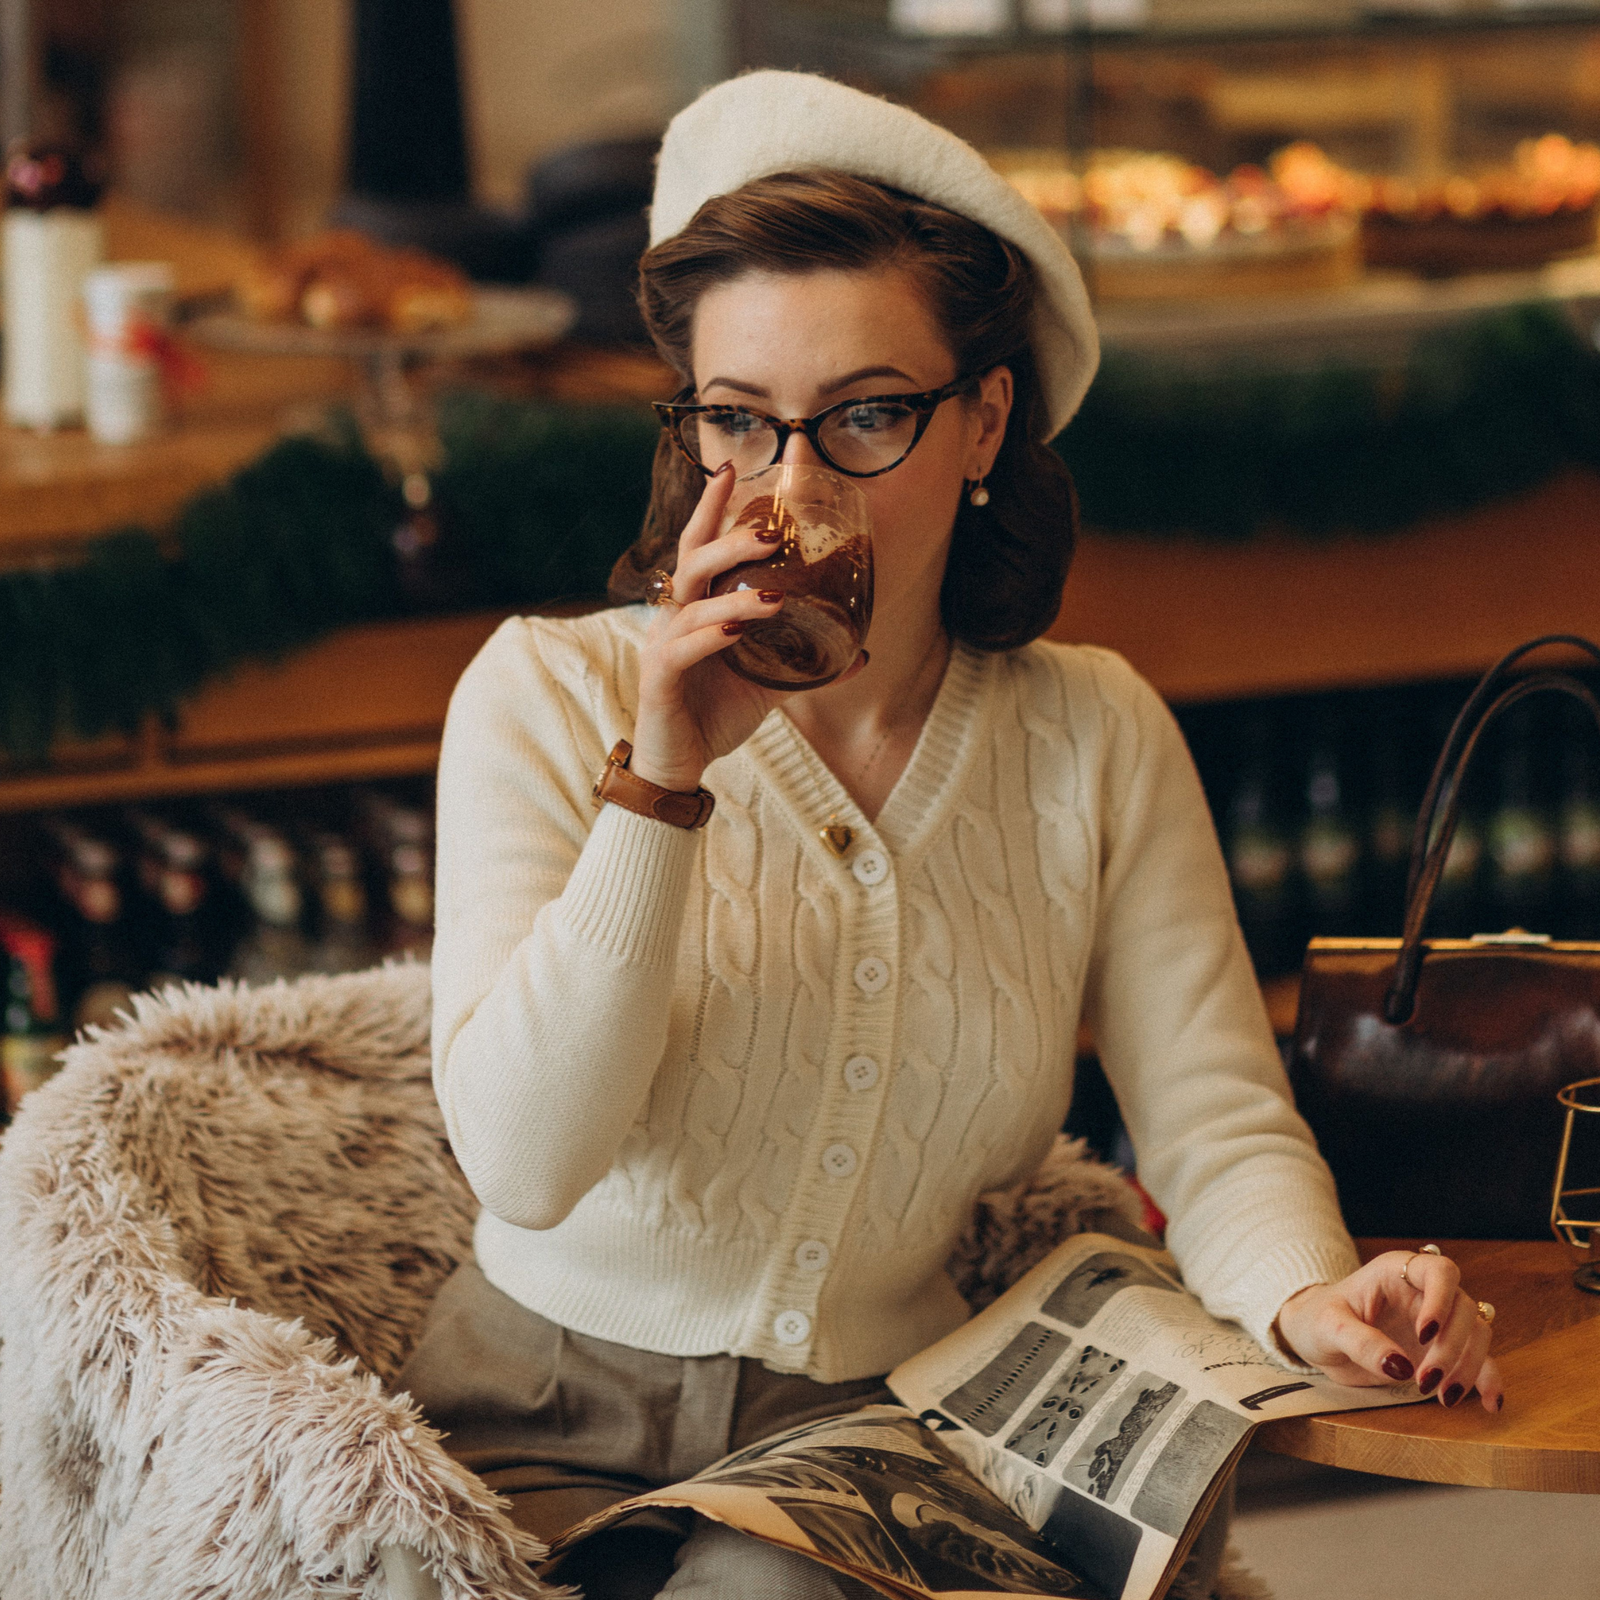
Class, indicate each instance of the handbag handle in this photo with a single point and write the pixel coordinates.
(1454, 759)
(1471, 715)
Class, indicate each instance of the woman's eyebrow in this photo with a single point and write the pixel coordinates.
(734, 383)
(864, 372)
(831, 387)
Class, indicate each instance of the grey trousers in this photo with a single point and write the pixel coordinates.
(564, 1425)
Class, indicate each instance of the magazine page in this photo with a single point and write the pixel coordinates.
(874, 1494)
(1102, 1402)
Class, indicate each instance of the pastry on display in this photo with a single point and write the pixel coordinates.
(1155, 226)
(1541, 206)
(341, 280)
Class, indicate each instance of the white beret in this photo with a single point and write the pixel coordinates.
(766, 122)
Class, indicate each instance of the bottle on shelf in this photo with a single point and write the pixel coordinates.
(1389, 829)
(1260, 858)
(1521, 837)
(1578, 833)
(99, 966)
(401, 838)
(31, 1032)
(1330, 845)
(344, 942)
(52, 240)
(174, 871)
(274, 945)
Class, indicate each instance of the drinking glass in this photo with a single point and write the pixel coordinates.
(822, 562)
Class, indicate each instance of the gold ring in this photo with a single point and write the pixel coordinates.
(1486, 1311)
(1421, 1250)
(658, 589)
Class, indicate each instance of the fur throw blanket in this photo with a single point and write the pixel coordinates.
(225, 1221)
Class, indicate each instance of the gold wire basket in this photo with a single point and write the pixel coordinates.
(1580, 1098)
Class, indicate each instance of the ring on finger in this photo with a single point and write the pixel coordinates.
(658, 588)
(1421, 1250)
(1485, 1312)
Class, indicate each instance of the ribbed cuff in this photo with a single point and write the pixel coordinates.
(1277, 1277)
(628, 889)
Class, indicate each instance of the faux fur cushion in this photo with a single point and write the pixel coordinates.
(225, 1222)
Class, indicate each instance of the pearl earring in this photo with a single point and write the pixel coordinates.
(979, 496)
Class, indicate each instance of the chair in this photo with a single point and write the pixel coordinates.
(224, 1223)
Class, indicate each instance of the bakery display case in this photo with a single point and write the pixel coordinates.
(1257, 171)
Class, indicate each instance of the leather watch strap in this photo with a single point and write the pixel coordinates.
(620, 787)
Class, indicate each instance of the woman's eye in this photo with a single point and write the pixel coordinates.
(874, 419)
(737, 424)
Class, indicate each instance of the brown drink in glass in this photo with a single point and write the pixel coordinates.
(822, 562)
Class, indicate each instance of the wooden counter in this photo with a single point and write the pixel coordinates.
(1208, 621)
(367, 703)
(58, 490)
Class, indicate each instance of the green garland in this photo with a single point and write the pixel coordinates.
(1480, 411)
(537, 500)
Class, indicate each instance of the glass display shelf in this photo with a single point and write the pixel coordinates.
(1401, 111)
(1243, 22)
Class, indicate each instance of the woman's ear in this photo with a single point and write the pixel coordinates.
(990, 410)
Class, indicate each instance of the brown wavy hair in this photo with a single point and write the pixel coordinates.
(1009, 559)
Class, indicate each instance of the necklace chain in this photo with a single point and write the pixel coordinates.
(888, 733)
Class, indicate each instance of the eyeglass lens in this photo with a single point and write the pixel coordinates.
(864, 438)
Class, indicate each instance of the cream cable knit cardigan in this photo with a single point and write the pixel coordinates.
(724, 1091)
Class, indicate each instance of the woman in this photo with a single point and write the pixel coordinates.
(727, 1093)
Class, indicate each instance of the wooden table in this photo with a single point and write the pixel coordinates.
(1547, 1341)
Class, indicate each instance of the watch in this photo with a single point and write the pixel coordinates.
(633, 793)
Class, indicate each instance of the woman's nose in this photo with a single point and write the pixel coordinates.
(798, 451)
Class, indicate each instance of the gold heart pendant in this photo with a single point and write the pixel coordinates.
(837, 836)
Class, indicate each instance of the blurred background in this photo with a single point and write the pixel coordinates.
(379, 382)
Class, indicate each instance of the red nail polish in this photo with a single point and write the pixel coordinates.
(1429, 1381)
(733, 629)
(1452, 1394)
(1397, 1367)
(726, 467)
(769, 596)
(1429, 1333)
(767, 535)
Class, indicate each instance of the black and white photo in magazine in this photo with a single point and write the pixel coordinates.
(1122, 1436)
(1080, 1295)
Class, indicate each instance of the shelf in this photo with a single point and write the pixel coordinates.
(1281, 614)
(1249, 23)
(58, 490)
(1373, 319)
(367, 703)
(1203, 621)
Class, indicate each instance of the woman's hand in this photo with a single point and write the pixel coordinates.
(692, 709)
(1377, 1327)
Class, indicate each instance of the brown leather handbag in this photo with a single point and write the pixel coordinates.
(1428, 1068)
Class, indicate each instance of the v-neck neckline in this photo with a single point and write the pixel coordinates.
(914, 804)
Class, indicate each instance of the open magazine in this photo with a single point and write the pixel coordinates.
(1069, 1440)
